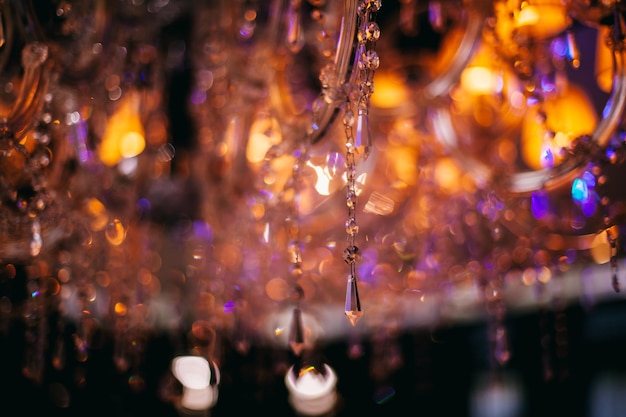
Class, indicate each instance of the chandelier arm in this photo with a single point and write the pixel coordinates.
(472, 37)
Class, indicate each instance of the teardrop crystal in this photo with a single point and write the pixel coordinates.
(362, 137)
(296, 333)
(353, 304)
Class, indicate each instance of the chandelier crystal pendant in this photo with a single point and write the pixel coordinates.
(359, 142)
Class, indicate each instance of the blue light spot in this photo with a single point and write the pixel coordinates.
(203, 231)
(607, 108)
(547, 157)
(590, 205)
(572, 255)
(229, 306)
(590, 180)
(580, 192)
(539, 203)
(144, 204)
(611, 154)
(198, 96)
(559, 47)
(547, 84)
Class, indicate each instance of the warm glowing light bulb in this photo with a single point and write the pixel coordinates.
(194, 373)
(124, 133)
(311, 392)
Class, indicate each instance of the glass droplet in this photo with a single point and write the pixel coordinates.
(296, 333)
(353, 303)
(362, 137)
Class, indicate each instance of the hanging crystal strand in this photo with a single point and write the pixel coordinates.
(358, 145)
(613, 260)
(296, 335)
(351, 253)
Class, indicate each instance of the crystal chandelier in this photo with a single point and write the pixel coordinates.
(206, 174)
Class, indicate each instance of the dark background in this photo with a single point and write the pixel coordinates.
(438, 370)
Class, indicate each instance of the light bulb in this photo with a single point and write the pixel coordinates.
(311, 392)
(194, 373)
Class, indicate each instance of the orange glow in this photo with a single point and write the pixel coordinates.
(447, 174)
(264, 133)
(99, 214)
(543, 19)
(115, 233)
(124, 134)
(478, 80)
(306, 370)
(390, 91)
(601, 248)
(277, 289)
(120, 309)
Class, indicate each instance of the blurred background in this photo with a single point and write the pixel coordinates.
(312, 207)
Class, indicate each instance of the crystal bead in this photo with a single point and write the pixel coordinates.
(369, 5)
(351, 227)
(369, 32)
(351, 199)
(351, 254)
(351, 172)
(369, 60)
(328, 76)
